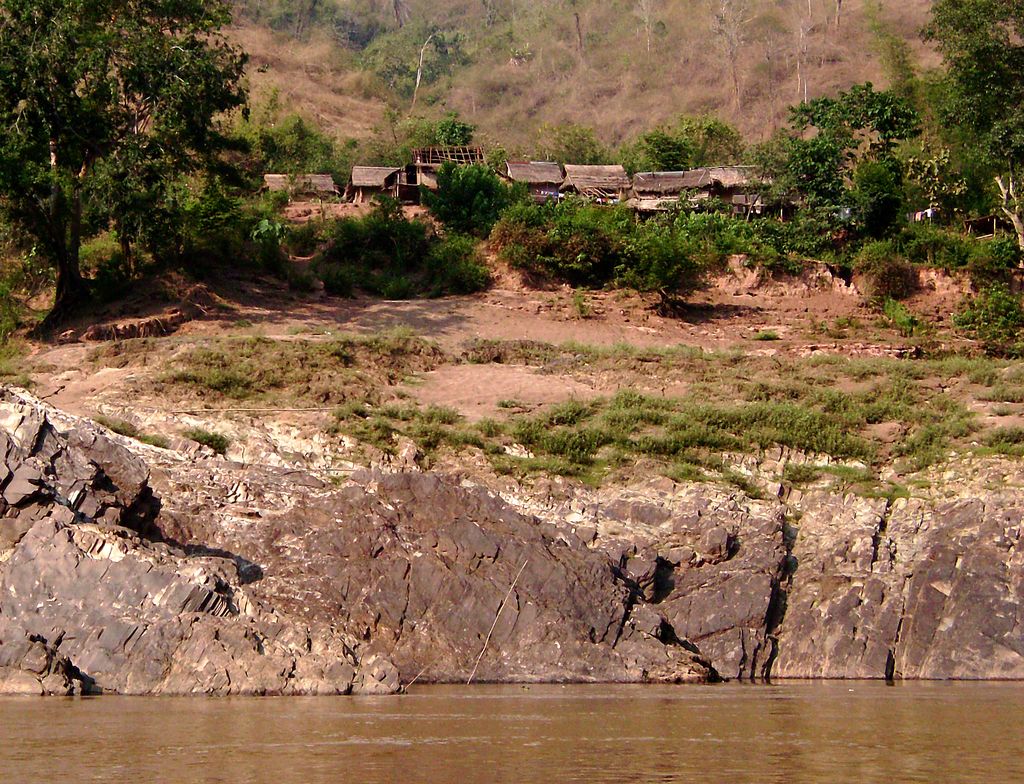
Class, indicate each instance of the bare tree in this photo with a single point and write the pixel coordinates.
(304, 17)
(729, 25)
(401, 9)
(490, 12)
(645, 10)
(769, 29)
(419, 69)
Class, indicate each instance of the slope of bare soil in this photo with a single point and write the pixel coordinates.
(317, 381)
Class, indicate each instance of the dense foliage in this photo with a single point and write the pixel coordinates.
(385, 254)
(470, 199)
(104, 104)
(585, 245)
(996, 319)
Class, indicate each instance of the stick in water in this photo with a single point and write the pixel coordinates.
(497, 615)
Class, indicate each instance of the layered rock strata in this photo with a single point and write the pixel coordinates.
(130, 569)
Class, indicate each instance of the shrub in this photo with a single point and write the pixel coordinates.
(589, 247)
(390, 256)
(659, 258)
(901, 319)
(990, 262)
(215, 441)
(887, 274)
(10, 312)
(470, 199)
(995, 317)
(454, 266)
(924, 243)
(878, 195)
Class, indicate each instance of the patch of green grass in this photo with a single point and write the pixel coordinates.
(12, 363)
(801, 473)
(315, 372)
(128, 430)
(581, 308)
(901, 319)
(766, 335)
(119, 426)
(1008, 441)
(217, 442)
(1003, 392)
(154, 440)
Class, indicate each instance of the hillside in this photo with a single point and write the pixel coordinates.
(620, 67)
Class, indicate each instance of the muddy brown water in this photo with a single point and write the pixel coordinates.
(795, 733)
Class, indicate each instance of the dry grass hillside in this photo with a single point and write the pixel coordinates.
(620, 66)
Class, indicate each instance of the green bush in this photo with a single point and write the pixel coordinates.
(878, 196)
(590, 246)
(454, 266)
(933, 246)
(901, 319)
(995, 318)
(387, 255)
(215, 441)
(470, 199)
(990, 262)
(10, 312)
(572, 241)
(887, 274)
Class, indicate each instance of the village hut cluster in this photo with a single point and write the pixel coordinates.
(646, 192)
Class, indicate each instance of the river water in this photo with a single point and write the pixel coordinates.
(797, 733)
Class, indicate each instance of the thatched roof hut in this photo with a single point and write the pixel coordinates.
(542, 178)
(427, 160)
(596, 182)
(731, 178)
(534, 172)
(368, 181)
(373, 176)
(301, 184)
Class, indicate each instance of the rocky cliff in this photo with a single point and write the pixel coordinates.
(130, 569)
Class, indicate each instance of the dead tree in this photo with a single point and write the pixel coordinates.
(729, 26)
(645, 10)
(401, 10)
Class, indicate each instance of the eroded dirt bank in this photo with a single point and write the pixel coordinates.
(133, 569)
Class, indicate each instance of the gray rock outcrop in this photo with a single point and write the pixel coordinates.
(200, 576)
(129, 569)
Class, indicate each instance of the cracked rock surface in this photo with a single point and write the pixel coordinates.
(125, 568)
(128, 569)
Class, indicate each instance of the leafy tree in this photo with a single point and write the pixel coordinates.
(878, 197)
(688, 143)
(714, 141)
(942, 186)
(830, 137)
(293, 145)
(415, 54)
(470, 199)
(571, 143)
(982, 42)
(861, 118)
(132, 85)
(453, 132)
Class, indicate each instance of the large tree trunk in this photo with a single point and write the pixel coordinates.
(65, 222)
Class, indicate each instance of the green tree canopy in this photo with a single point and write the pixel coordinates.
(126, 86)
(982, 43)
(831, 137)
(470, 199)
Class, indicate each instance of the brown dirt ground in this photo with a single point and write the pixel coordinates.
(815, 313)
